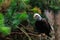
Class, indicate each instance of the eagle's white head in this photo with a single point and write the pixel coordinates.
(37, 16)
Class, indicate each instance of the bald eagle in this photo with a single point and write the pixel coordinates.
(42, 25)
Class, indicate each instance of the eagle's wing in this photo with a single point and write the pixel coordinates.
(47, 23)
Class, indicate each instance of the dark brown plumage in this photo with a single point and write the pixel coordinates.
(42, 26)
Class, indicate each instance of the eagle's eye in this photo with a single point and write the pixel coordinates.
(36, 17)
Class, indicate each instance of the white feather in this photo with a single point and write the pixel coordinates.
(38, 16)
